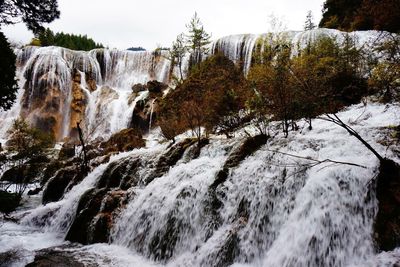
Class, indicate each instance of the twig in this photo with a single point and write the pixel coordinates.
(316, 161)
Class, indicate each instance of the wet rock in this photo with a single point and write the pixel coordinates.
(58, 184)
(248, 147)
(136, 88)
(34, 191)
(169, 159)
(14, 174)
(100, 228)
(141, 116)
(226, 254)
(8, 201)
(163, 242)
(125, 140)
(96, 211)
(213, 202)
(121, 173)
(78, 106)
(24, 173)
(88, 207)
(54, 258)
(156, 88)
(387, 223)
(51, 170)
(67, 151)
(10, 257)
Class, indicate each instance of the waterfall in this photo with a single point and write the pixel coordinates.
(272, 210)
(46, 76)
(151, 113)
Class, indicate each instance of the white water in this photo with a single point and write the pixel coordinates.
(313, 217)
(109, 108)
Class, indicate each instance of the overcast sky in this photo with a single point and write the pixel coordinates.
(147, 23)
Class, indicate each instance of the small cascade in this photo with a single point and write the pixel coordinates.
(151, 113)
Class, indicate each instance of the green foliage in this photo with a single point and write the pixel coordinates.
(8, 83)
(197, 40)
(26, 146)
(385, 78)
(322, 78)
(75, 42)
(26, 143)
(32, 12)
(352, 15)
(271, 80)
(177, 53)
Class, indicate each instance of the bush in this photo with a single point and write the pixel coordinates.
(214, 92)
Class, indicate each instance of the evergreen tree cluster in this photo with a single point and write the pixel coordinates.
(135, 49)
(75, 42)
(8, 83)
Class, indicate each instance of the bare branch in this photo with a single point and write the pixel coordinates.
(316, 162)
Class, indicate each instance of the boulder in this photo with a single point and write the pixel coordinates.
(125, 140)
(8, 201)
(136, 88)
(63, 179)
(67, 151)
(54, 258)
(96, 211)
(156, 88)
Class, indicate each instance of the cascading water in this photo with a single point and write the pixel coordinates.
(106, 78)
(272, 209)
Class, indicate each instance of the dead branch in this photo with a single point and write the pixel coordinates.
(336, 120)
(315, 162)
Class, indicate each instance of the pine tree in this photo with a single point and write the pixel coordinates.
(197, 40)
(8, 84)
(32, 12)
(309, 24)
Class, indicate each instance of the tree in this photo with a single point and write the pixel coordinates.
(385, 76)
(8, 83)
(271, 80)
(309, 23)
(177, 53)
(210, 99)
(32, 12)
(197, 40)
(47, 37)
(25, 145)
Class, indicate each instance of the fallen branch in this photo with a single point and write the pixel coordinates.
(336, 120)
(316, 161)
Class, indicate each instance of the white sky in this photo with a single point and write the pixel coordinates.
(123, 23)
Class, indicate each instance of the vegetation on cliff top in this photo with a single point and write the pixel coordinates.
(47, 37)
